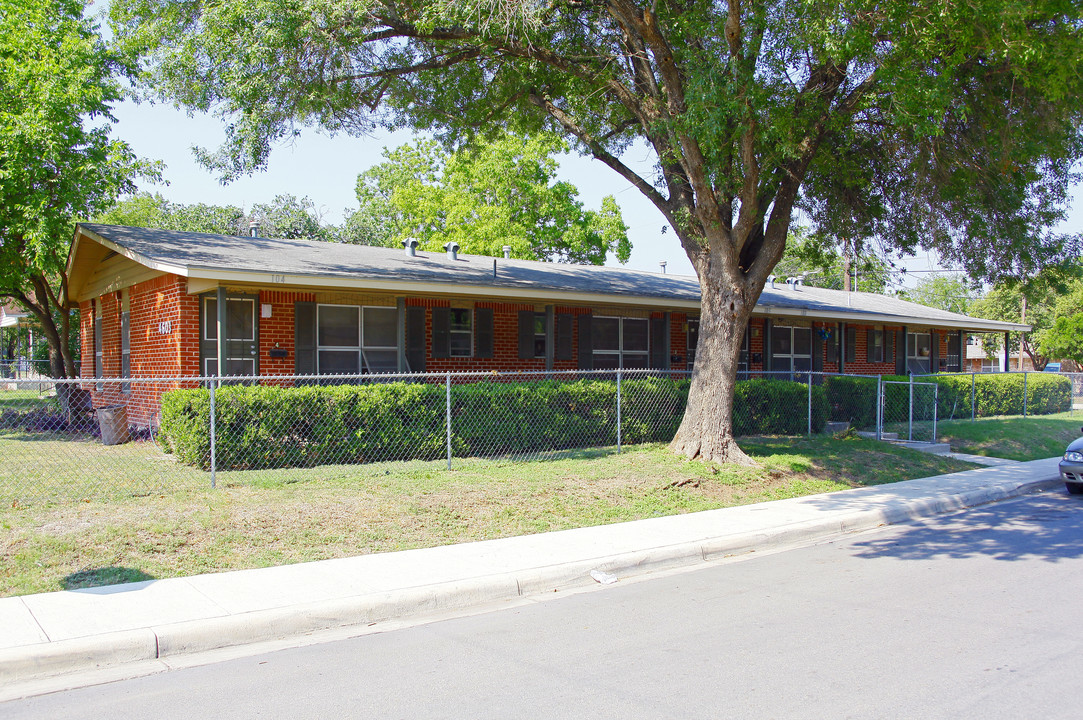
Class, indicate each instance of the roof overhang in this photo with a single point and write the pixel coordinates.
(202, 279)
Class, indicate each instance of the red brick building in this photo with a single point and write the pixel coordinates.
(167, 304)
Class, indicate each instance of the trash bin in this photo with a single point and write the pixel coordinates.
(113, 422)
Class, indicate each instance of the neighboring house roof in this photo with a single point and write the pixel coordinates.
(10, 315)
(207, 260)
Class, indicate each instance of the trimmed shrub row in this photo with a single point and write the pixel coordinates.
(853, 399)
(274, 427)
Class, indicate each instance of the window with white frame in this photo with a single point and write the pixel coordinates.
(620, 342)
(461, 341)
(918, 353)
(351, 339)
(791, 349)
(99, 368)
(125, 341)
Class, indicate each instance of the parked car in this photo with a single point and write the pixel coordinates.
(1071, 467)
(1052, 367)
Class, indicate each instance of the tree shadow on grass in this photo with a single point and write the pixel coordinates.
(1042, 527)
(101, 577)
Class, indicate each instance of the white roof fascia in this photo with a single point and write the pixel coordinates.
(880, 319)
(407, 287)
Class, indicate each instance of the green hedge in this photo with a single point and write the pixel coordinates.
(853, 399)
(777, 407)
(270, 427)
(1002, 394)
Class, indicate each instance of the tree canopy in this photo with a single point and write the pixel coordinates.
(956, 124)
(946, 291)
(1038, 302)
(816, 259)
(1062, 339)
(486, 196)
(58, 162)
(287, 216)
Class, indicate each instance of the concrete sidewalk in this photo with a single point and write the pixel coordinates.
(53, 634)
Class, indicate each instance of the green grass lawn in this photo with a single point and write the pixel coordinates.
(137, 514)
(1015, 438)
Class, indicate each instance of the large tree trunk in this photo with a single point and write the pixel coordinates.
(706, 431)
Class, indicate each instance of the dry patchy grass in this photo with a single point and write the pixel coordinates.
(258, 520)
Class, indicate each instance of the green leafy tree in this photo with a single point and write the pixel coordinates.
(287, 216)
(58, 163)
(486, 196)
(1062, 339)
(946, 291)
(1035, 302)
(957, 123)
(816, 259)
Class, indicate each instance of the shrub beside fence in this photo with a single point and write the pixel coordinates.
(273, 427)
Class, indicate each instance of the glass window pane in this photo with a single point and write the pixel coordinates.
(539, 324)
(781, 364)
(240, 319)
(338, 362)
(539, 346)
(606, 361)
(381, 327)
(460, 320)
(210, 319)
(635, 360)
(780, 341)
(210, 368)
(381, 361)
(460, 344)
(337, 326)
(605, 334)
(802, 341)
(693, 335)
(802, 363)
(240, 367)
(635, 336)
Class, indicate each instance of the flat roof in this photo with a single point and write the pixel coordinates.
(278, 262)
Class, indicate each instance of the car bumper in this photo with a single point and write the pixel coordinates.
(1071, 471)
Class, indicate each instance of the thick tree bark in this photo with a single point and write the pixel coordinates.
(707, 428)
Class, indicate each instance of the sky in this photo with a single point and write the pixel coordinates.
(325, 170)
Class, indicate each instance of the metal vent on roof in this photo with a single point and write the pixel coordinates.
(411, 246)
(452, 249)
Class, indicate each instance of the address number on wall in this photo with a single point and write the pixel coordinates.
(165, 327)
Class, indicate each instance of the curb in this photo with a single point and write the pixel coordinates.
(51, 659)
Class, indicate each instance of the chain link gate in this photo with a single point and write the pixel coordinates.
(908, 410)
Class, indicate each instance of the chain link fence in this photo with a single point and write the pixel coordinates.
(142, 436)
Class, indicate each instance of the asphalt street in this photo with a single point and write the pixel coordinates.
(962, 616)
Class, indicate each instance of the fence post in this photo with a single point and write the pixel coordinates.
(936, 406)
(447, 417)
(1024, 393)
(214, 381)
(910, 420)
(973, 411)
(809, 376)
(618, 412)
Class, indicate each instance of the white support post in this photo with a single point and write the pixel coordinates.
(214, 381)
(618, 412)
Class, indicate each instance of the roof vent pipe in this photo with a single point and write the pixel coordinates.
(253, 228)
(411, 246)
(662, 264)
(507, 252)
(771, 279)
(791, 281)
(452, 250)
